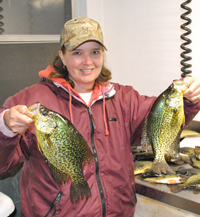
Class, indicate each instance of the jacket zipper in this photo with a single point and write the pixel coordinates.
(56, 199)
(93, 127)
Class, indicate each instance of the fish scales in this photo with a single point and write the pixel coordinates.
(64, 149)
(163, 126)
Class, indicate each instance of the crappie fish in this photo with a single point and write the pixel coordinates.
(163, 126)
(165, 179)
(193, 181)
(64, 149)
(142, 166)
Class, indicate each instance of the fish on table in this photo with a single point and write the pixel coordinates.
(142, 166)
(163, 126)
(169, 179)
(192, 182)
(63, 148)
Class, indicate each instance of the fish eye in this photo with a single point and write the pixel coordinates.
(44, 112)
(173, 90)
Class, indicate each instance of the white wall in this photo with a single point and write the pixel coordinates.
(143, 39)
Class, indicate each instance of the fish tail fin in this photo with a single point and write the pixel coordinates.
(175, 188)
(160, 167)
(79, 189)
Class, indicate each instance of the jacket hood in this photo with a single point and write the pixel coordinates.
(99, 92)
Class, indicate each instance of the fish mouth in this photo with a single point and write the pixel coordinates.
(180, 85)
(33, 110)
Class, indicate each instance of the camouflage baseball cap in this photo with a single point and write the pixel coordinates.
(79, 30)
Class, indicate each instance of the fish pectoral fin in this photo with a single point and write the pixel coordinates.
(87, 154)
(49, 142)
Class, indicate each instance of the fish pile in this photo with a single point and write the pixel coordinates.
(63, 148)
(182, 178)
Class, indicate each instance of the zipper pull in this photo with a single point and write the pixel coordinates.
(58, 197)
(92, 118)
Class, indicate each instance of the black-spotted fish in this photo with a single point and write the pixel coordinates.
(64, 149)
(163, 126)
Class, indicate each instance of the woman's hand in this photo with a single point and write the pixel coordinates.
(192, 94)
(15, 119)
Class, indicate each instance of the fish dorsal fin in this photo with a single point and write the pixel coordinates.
(145, 140)
(88, 156)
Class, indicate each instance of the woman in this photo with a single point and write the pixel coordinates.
(108, 115)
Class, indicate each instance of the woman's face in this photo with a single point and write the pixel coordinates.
(84, 64)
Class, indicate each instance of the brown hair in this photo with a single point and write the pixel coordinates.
(62, 72)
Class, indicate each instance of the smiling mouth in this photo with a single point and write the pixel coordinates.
(86, 70)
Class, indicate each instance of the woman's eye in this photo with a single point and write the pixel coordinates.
(76, 53)
(95, 52)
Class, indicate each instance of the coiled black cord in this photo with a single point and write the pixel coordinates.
(184, 69)
(1, 17)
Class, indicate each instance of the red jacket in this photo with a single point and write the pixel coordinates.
(110, 176)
